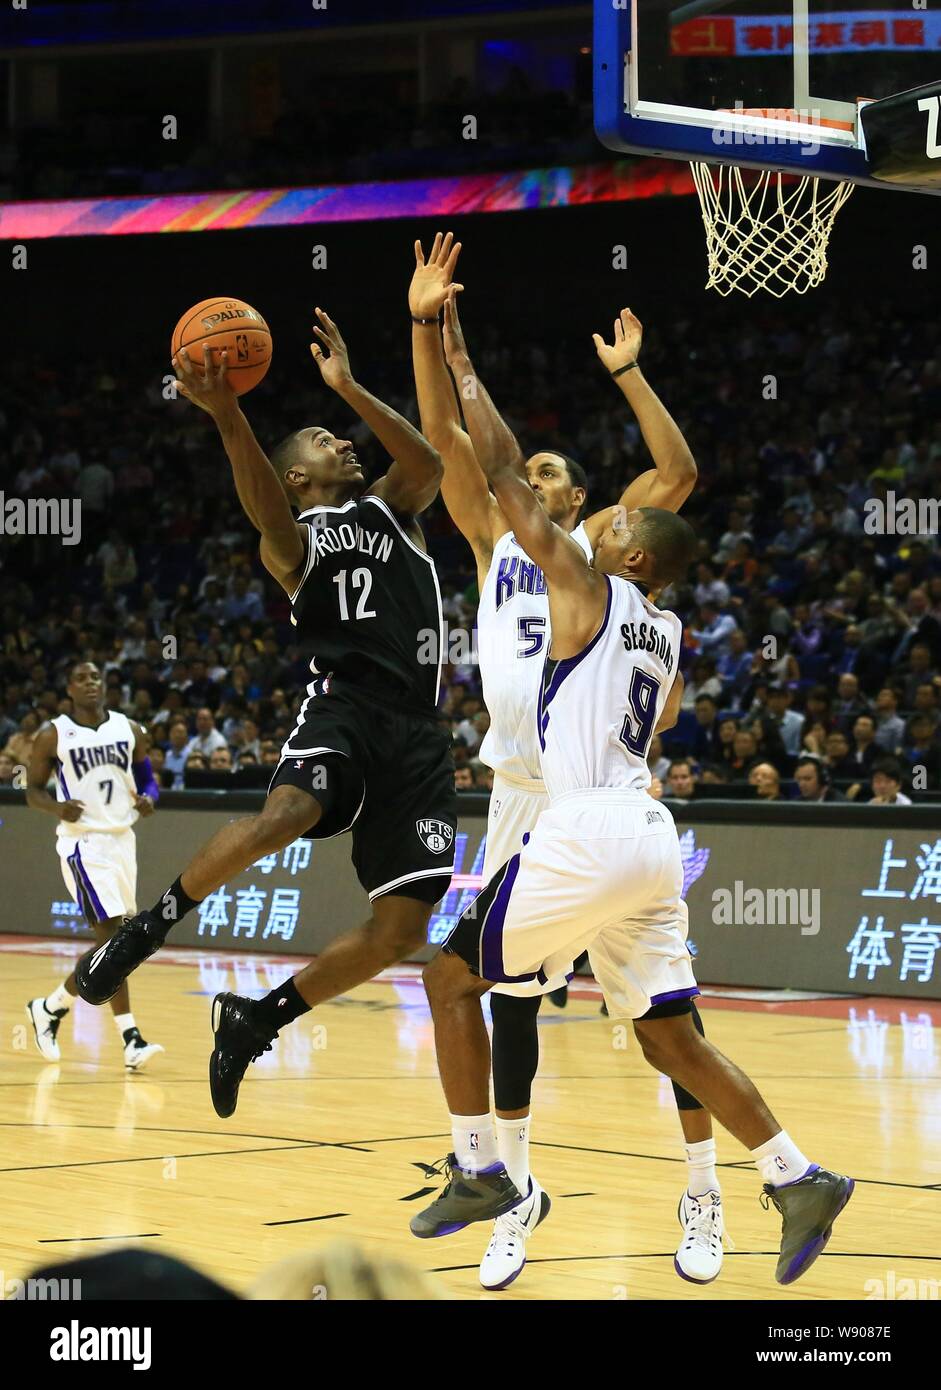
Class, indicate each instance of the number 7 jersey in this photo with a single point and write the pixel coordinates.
(597, 711)
(95, 767)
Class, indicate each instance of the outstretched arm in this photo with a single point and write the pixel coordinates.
(464, 489)
(414, 477)
(577, 593)
(672, 479)
(258, 486)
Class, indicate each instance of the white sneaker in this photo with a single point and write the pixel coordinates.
(699, 1257)
(45, 1027)
(505, 1256)
(138, 1053)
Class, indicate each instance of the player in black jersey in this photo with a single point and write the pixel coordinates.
(368, 752)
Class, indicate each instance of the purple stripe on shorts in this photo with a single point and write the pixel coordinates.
(89, 886)
(674, 994)
(491, 936)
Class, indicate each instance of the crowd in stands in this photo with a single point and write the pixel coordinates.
(812, 650)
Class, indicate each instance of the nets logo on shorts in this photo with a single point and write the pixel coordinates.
(435, 835)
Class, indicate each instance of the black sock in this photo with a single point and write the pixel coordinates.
(283, 1005)
(173, 907)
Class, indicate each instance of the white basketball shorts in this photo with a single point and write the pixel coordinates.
(601, 871)
(515, 807)
(100, 872)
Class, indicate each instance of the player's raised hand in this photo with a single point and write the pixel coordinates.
(71, 810)
(335, 368)
(208, 388)
(455, 348)
(433, 278)
(626, 346)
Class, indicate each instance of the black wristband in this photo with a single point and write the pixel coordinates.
(628, 367)
(416, 319)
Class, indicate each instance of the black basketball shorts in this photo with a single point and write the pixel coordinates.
(383, 774)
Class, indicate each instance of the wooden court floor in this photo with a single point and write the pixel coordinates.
(332, 1128)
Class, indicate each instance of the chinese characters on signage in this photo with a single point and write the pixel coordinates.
(911, 949)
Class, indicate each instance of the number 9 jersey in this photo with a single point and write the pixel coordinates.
(597, 711)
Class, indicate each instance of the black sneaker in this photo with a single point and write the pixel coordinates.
(559, 997)
(808, 1208)
(480, 1195)
(239, 1040)
(101, 972)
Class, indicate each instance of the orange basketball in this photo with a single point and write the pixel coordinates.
(231, 324)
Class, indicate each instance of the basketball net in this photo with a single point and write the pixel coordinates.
(769, 235)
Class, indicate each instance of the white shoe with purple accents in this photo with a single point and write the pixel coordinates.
(505, 1256)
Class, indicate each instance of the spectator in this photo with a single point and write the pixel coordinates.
(849, 703)
(714, 631)
(865, 750)
(926, 699)
(766, 780)
(157, 762)
(734, 667)
(703, 681)
(658, 764)
(890, 729)
(744, 753)
(681, 780)
(20, 746)
(270, 753)
(243, 603)
(813, 781)
(714, 775)
(195, 763)
(887, 784)
(838, 759)
(726, 729)
(463, 779)
(709, 588)
(220, 760)
(703, 738)
(920, 672)
(207, 737)
(786, 721)
(792, 536)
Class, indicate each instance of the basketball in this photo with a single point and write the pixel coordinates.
(226, 324)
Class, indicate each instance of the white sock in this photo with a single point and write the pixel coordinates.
(123, 1022)
(780, 1160)
(703, 1177)
(475, 1140)
(58, 999)
(513, 1148)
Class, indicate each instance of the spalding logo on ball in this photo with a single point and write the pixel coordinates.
(231, 324)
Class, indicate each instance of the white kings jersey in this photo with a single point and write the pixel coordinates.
(512, 641)
(95, 767)
(598, 710)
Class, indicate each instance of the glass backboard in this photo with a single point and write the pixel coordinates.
(764, 83)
